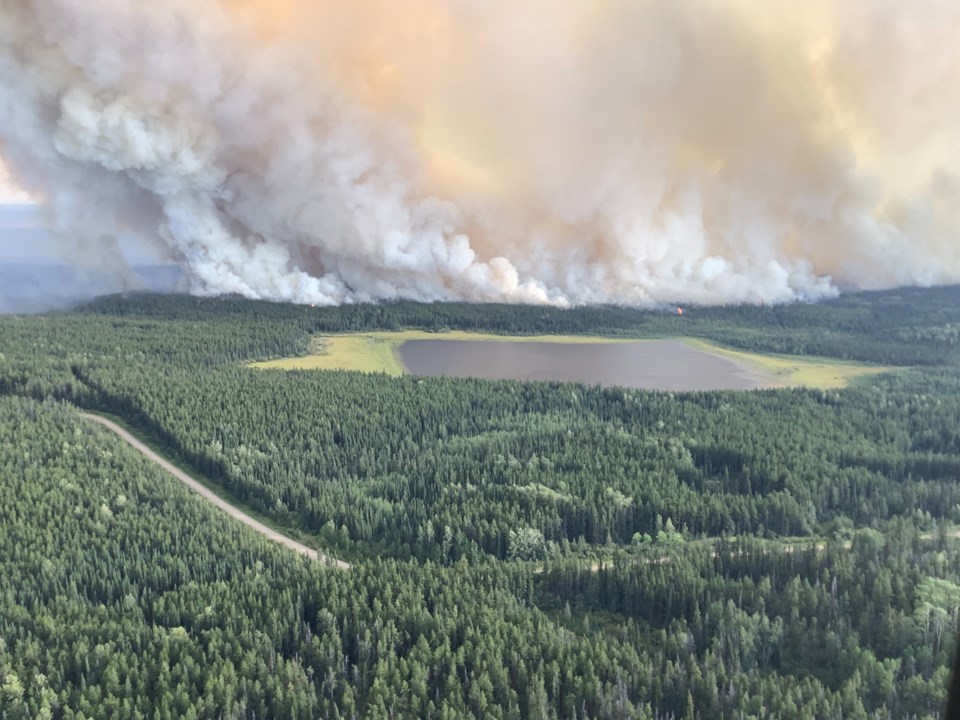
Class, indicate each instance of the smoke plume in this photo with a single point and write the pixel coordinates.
(628, 151)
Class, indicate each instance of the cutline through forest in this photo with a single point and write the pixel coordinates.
(211, 497)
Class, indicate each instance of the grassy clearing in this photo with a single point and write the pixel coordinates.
(792, 371)
(371, 352)
(377, 352)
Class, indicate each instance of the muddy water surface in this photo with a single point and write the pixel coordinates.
(652, 364)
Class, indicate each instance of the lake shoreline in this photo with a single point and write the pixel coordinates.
(381, 352)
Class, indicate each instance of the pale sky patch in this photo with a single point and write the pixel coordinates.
(10, 192)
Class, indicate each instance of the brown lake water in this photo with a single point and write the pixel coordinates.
(651, 365)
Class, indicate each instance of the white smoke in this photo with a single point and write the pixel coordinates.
(581, 151)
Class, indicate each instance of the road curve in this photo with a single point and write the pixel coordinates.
(214, 499)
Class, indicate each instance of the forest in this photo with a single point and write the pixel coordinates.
(520, 550)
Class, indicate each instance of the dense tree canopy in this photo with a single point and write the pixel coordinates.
(524, 550)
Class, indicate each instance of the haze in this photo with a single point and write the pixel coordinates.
(590, 151)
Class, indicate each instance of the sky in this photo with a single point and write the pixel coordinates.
(23, 234)
(28, 249)
(26, 235)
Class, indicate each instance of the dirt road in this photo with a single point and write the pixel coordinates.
(211, 497)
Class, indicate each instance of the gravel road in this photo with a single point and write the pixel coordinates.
(211, 497)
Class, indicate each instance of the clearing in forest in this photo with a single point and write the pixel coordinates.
(663, 363)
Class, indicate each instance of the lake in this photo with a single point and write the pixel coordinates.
(651, 364)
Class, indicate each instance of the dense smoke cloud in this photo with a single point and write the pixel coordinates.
(582, 151)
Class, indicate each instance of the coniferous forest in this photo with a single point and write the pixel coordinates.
(518, 550)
